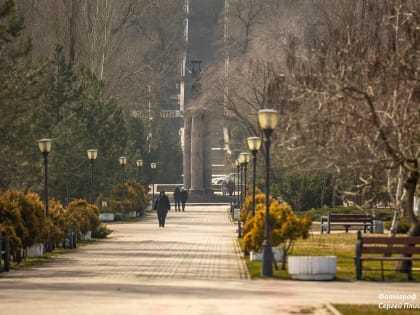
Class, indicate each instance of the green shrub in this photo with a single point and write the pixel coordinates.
(101, 231)
(135, 197)
(22, 218)
(84, 215)
(58, 223)
(403, 225)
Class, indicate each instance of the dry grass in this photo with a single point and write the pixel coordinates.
(342, 245)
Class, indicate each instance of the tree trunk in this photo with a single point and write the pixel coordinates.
(410, 186)
(72, 32)
(398, 202)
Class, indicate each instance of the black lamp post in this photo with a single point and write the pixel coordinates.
(234, 187)
(153, 167)
(267, 119)
(139, 164)
(123, 162)
(92, 155)
(44, 146)
(238, 171)
(254, 145)
(244, 159)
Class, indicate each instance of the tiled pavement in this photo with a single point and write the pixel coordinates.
(192, 266)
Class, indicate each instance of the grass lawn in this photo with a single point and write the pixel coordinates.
(342, 245)
(346, 309)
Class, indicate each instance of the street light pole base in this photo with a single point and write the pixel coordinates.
(267, 260)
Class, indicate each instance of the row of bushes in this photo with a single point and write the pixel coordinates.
(135, 198)
(23, 221)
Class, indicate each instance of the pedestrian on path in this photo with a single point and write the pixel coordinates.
(162, 206)
(183, 197)
(177, 198)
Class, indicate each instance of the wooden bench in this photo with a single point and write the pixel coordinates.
(382, 248)
(346, 222)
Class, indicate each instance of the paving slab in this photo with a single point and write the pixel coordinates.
(192, 266)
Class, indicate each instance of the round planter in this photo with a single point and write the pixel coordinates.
(106, 216)
(312, 267)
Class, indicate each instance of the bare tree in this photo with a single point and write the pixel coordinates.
(361, 86)
(128, 44)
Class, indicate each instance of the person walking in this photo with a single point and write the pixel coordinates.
(177, 198)
(183, 197)
(162, 206)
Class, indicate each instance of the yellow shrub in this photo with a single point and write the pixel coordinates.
(285, 226)
(84, 215)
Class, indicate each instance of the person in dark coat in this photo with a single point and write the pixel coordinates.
(162, 206)
(177, 198)
(183, 197)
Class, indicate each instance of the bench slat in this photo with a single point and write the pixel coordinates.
(401, 258)
(391, 240)
(391, 250)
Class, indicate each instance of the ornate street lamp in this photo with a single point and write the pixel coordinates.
(254, 145)
(234, 188)
(92, 155)
(267, 119)
(139, 164)
(244, 158)
(153, 167)
(123, 162)
(238, 171)
(44, 146)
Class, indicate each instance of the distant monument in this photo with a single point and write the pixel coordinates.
(200, 134)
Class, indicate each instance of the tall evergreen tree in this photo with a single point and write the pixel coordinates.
(18, 94)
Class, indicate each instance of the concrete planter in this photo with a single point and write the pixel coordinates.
(106, 216)
(87, 236)
(236, 213)
(132, 214)
(312, 267)
(35, 251)
(277, 252)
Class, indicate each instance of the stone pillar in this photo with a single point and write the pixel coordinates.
(197, 158)
(207, 160)
(187, 151)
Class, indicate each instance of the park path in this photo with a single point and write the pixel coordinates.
(190, 267)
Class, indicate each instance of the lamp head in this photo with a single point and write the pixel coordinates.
(268, 118)
(244, 158)
(123, 160)
(254, 143)
(92, 154)
(44, 145)
(153, 165)
(139, 163)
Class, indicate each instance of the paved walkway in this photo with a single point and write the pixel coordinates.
(190, 267)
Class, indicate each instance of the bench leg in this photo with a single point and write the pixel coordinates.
(382, 270)
(409, 271)
(358, 263)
